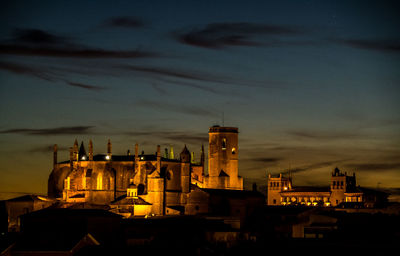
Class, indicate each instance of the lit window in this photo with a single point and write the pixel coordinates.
(223, 143)
(233, 151)
(99, 182)
(68, 183)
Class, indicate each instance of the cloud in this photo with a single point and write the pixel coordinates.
(43, 73)
(38, 37)
(322, 135)
(389, 46)
(46, 149)
(313, 166)
(266, 159)
(25, 70)
(183, 109)
(34, 42)
(72, 52)
(220, 35)
(185, 137)
(124, 22)
(86, 86)
(373, 166)
(172, 75)
(68, 130)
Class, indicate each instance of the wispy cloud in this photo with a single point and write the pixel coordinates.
(183, 109)
(34, 42)
(322, 135)
(44, 73)
(185, 137)
(86, 86)
(46, 149)
(25, 70)
(124, 22)
(266, 159)
(314, 166)
(374, 166)
(221, 35)
(386, 45)
(67, 130)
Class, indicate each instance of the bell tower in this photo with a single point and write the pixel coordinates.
(223, 154)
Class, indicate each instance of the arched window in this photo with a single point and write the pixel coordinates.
(99, 181)
(223, 143)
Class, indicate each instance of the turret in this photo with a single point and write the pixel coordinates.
(185, 170)
(185, 155)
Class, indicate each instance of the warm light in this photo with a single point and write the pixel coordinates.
(308, 203)
(107, 157)
(142, 158)
(83, 157)
(285, 188)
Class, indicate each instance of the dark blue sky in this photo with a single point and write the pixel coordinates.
(311, 84)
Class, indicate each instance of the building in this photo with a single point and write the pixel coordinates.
(143, 184)
(341, 192)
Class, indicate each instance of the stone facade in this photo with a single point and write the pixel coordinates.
(342, 190)
(162, 183)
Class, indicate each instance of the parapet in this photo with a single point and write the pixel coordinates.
(217, 128)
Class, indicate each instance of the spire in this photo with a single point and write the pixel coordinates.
(192, 158)
(185, 155)
(71, 157)
(109, 147)
(82, 153)
(90, 150)
(75, 150)
(171, 152)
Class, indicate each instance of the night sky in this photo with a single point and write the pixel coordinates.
(311, 84)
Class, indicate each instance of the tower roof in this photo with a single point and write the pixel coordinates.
(82, 151)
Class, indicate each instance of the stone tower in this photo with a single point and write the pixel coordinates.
(340, 184)
(223, 154)
(276, 185)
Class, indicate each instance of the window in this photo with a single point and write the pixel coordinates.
(223, 143)
(99, 182)
(274, 201)
(233, 151)
(68, 183)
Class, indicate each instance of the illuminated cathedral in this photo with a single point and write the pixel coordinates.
(148, 184)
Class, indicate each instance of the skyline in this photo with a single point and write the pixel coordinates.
(310, 85)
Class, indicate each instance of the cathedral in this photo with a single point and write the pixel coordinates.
(148, 184)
